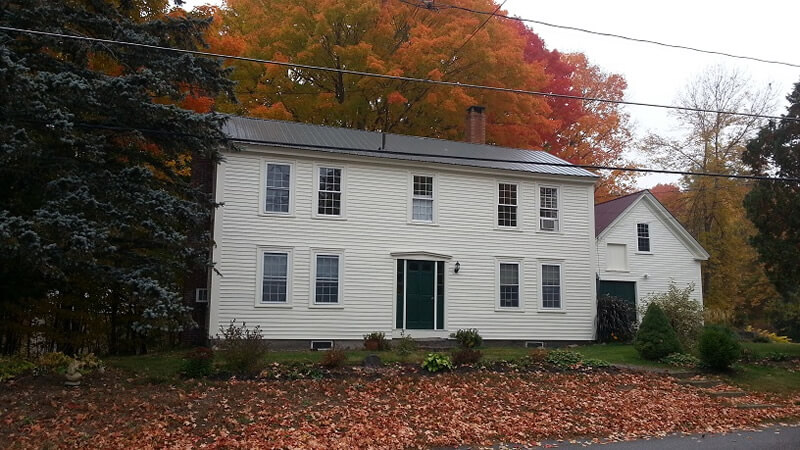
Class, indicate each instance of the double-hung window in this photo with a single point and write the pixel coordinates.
(327, 278)
(506, 205)
(643, 237)
(275, 271)
(278, 188)
(329, 191)
(422, 199)
(548, 208)
(509, 295)
(551, 286)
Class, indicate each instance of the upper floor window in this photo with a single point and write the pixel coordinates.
(509, 284)
(275, 277)
(329, 191)
(279, 186)
(551, 286)
(548, 208)
(506, 205)
(643, 236)
(327, 283)
(422, 199)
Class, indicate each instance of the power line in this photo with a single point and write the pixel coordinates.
(377, 151)
(437, 5)
(401, 78)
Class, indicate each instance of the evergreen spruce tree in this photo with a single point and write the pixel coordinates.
(656, 337)
(98, 217)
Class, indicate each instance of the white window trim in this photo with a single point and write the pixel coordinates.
(497, 226)
(343, 185)
(649, 238)
(410, 212)
(312, 297)
(538, 205)
(262, 207)
(260, 276)
(521, 273)
(562, 290)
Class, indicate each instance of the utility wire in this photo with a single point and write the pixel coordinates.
(379, 151)
(437, 5)
(400, 78)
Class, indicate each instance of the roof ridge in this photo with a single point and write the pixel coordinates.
(624, 196)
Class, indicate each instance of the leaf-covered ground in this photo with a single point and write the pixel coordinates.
(394, 410)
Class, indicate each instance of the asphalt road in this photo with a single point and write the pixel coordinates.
(779, 438)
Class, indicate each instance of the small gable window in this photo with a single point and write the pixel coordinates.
(643, 236)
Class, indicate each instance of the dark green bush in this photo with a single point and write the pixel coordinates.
(719, 347)
(656, 338)
(468, 338)
(436, 362)
(684, 313)
(563, 359)
(466, 356)
(333, 358)
(199, 363)
(616, 319)
(244, 349)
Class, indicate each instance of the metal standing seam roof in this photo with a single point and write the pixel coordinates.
(394, 146)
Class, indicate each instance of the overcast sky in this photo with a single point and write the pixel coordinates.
(766, 29)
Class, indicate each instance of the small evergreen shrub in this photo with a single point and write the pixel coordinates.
(468, 338)
(376, 341)
(405, 346)
(244, 349)
(333, 358)
(656, 338)
(199, 363)
(719, 347)
(466, 356)
(681, 360)
(616, 319)
(564, 359)
(436, 362)
(683, 312)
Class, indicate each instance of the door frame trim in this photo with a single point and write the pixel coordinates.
(415, 256)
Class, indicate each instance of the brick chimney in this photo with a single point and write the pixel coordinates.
(476, 124)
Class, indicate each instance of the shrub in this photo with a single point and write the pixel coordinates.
(405, 345)
(764, 336)
(376, 341)
(436, 362)
(199, 363)
(785, 317)
(465, 356)
(684, 313)
(719, 347)
(244, 349)
(564, 359)
(598, 363)
(468, 338)
(333, 358)
(656, 338)
(53, 362)
(616, 319)
(13, 367)
(538, 355)
(681, 360)
(778, 356)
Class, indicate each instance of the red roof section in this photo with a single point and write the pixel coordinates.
(606, 212)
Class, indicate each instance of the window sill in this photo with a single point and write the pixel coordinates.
(281, 215)
(517, 228)
(323, 306)
(425, 224)
(508, 309)
(274, 305)
(551, 311)
(555, 233)
(618, 271)
(644, 253)
(324, 217)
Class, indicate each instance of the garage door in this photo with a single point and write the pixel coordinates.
(625, 290)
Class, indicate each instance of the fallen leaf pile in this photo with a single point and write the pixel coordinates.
(392, 411)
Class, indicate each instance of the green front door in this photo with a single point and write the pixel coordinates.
(625, 290)
(419, 295)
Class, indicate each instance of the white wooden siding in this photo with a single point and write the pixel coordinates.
(669, 259)
(377, 224)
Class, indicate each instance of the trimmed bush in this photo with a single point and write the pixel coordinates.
(199, 363)
(244, 349)
(684, 313)
(466, 356)
(436, 362)
(468, 338)
(719, 347)
(656, 338)
(616, 319)
(333, 358)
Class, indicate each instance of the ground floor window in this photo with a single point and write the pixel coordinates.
(551, 286)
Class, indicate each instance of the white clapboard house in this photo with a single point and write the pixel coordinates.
(326, 234)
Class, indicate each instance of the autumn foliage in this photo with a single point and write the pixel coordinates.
(393, 37)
